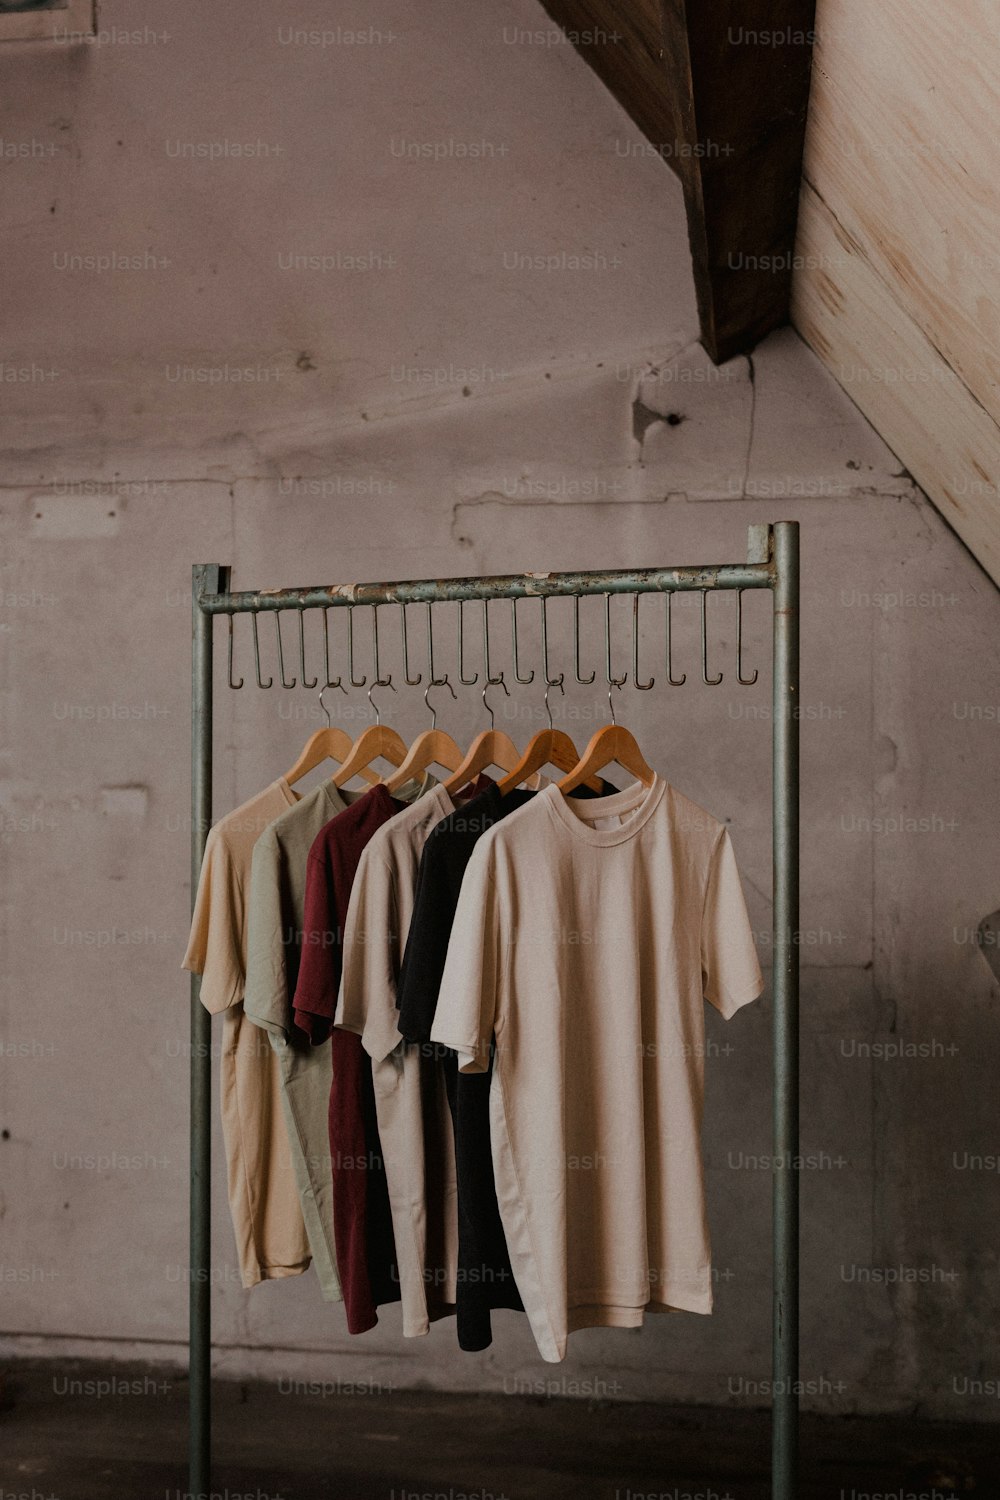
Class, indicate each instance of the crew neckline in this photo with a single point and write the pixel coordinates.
(577, 814)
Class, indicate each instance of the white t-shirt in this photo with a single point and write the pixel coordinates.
(586, 936)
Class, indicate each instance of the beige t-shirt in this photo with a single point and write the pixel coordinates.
(411, 1103)
(587, 934)
(270, 1233)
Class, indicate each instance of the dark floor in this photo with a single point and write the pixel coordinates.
(66, 1436)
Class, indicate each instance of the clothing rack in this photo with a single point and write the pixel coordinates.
(772, 563)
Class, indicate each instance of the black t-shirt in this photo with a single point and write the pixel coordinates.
(485, 1278)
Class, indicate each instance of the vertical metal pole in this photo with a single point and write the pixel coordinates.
(785, 791)
(205, 578)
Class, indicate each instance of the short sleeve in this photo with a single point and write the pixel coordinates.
(319, 965)
(367, 1001)
(730, 969)
(426, 942)
(215, 946)
(266, 1000)
(470, 985)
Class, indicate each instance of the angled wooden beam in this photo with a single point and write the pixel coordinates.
(721, 89)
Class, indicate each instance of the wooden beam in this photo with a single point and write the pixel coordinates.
(721, 90)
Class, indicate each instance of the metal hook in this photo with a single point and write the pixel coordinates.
(612, 680)
(379, 680)
(611, 707)
(281, 653)
(468, 681)
(576, 643)
(326, 657)
(433, 681)
(673, 681)
(642, 686)
(433, 711)
(256, 653)
(514, 651)
(709, 681)
(302, 652)
(410, 681)
(355, 681)
(548, 708)
(746, 681)
(549, 681)
(323, 689)
(232, 684)
(491, 681)
(377, 683)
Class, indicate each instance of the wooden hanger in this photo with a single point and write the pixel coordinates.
(491, 748)
(325, 744)
(548, 747)
(377, 740)
(431, 748)
(612, 742)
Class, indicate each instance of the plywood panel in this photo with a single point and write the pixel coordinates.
(879, 353)
(904, 147)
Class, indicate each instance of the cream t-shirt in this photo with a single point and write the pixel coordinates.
(587, 935)
(414, 1120)
(271, 1238)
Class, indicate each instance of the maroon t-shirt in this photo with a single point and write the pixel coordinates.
(362, 1221)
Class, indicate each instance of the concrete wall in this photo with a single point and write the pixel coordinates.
(446, 413)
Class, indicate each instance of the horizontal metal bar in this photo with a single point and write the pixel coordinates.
(499, 586)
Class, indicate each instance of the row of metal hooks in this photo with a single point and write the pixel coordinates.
(491, 679)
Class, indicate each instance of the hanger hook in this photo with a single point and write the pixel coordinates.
(576, 643)
(355, 681)
(433, 711)
(232, 684)
(514, 646)
(410, 681)
(709, 681)
(643, 687)
(387, 683)
(491, 681)
(325, 688)
(673, 681)
(256, 652)
(497, 682)
(548, 707)
(379, 680)
(549, 681)
(746, 681)
(433, 681)
(468, 681)
(302, 652)
(613, 681)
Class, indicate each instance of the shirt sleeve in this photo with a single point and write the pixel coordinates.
(434, 904)
(266, 1000)
(731, 975)
(367, 1001)
(215, 946)
(319, 964)
(470, 985)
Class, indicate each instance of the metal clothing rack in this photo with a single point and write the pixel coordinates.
(772, 563)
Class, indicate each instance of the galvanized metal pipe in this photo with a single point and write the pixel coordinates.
(785, 949)
(499, 586)
(205, 578)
